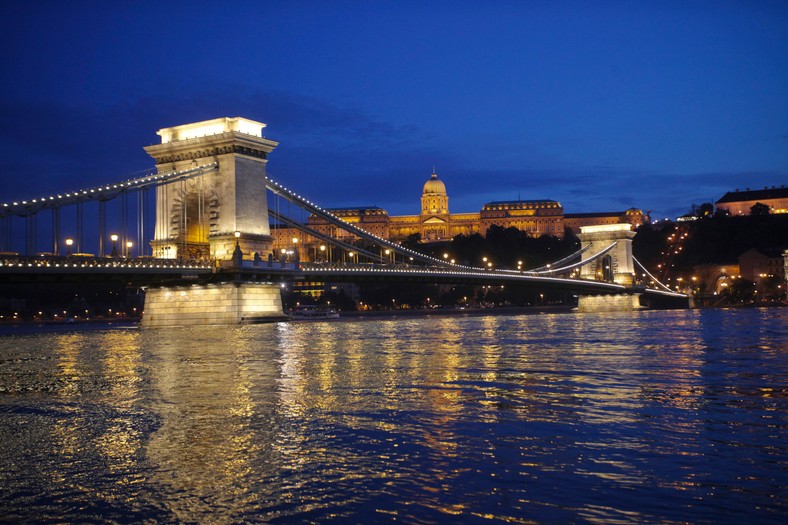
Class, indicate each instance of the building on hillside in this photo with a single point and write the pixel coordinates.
(765, 268)
(436, 223)
(740, 202)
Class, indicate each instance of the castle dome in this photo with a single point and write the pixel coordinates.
(434, 185)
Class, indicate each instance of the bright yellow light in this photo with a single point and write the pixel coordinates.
(114, 237)
(211, 127)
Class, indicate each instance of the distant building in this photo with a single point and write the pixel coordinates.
(436, 223)
(740, 202)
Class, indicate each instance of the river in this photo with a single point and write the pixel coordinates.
(644, 417)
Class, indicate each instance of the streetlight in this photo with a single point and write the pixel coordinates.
(129, 244)
(114, 239)
(238, 255)
(69, 244)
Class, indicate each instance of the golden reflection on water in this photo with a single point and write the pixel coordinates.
(205, 450)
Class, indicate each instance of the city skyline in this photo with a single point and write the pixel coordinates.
(653, 106)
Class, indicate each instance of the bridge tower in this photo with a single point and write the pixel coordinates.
(216, 214)
(616, 266)
(198, 218)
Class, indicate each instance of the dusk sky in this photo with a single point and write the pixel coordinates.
(599, 105)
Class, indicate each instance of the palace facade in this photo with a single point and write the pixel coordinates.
(435, 223)
(740, 202)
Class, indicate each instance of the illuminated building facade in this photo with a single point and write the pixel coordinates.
(740, 202)
(436, 223)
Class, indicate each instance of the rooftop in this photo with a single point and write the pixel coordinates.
(755, 195)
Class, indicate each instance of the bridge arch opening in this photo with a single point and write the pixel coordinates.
(194, 218)
(607, 268)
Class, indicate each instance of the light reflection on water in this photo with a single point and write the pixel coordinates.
(668, 417)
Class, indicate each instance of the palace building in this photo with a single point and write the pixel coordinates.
(435, 223)
(740, 202)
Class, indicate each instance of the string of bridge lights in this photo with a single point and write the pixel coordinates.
(101, 263)
(136, 183)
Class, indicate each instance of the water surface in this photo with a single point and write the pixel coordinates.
(645, 417)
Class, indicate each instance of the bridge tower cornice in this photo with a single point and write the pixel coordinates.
(231, 142)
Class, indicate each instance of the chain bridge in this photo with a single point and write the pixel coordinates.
(210, 259)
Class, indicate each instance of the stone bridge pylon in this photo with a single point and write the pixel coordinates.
(616, 266)
(210, 216)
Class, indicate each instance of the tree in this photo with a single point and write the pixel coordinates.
(759, 208)
(705, 210)
(412, 241)
(739, 291)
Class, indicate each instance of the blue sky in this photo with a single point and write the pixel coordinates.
(599, 105)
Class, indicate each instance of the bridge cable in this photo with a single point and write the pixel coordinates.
(555, 266)
(651, 276)
(324, 237)
(584, 262)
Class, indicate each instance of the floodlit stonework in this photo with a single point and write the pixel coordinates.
(197, 218)
(207, 216)
(212, 304)
(617, 266)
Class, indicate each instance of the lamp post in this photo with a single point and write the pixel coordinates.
(323, 253)
(129, 245)
(69, 244)
(114, 239)
(237, 253)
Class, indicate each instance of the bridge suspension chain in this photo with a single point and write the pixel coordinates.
(327, 238)
(556, 266)
(651, 276)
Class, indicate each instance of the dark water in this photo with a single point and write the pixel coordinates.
(650, 417)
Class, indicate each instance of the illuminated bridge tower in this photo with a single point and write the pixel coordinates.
(200, 217)
(616, 266)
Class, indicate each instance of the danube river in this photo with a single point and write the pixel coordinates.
(646, 417)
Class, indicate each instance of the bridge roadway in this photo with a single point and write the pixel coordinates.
(151, 272)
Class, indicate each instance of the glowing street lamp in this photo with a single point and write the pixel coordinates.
(69, 244)
(129, 245)
(114, 239)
